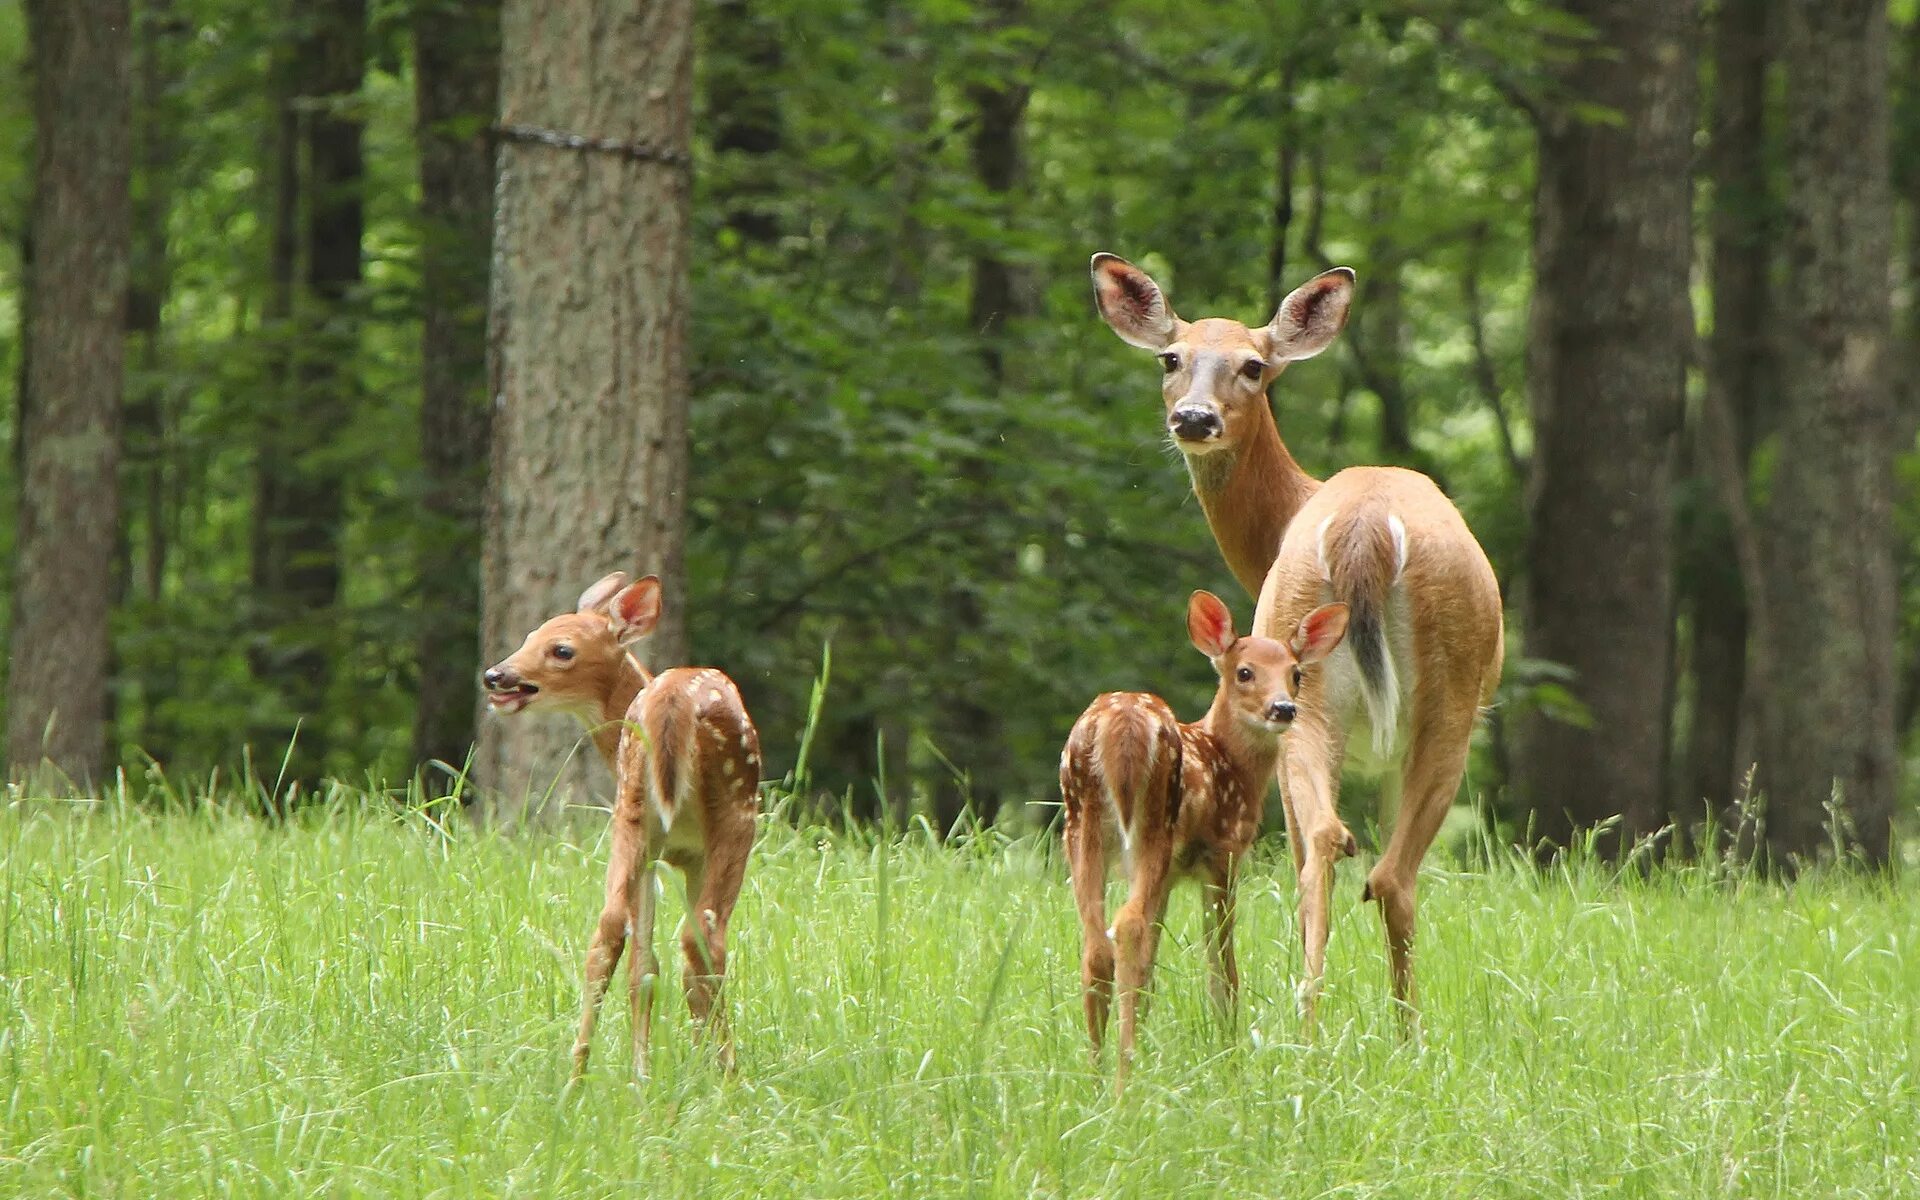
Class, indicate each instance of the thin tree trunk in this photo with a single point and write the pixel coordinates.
(587, 347)
(1738, 374)
(1607, 374)
(302, 505)
(1832, 635)
(457, 95)
(70, 403)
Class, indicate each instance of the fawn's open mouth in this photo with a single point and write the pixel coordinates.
(513, 699)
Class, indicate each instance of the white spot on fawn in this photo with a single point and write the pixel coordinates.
(713, 694)
(726, 767)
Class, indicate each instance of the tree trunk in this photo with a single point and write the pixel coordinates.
(1610, 334)
(587, 347)
(457, 94)
(70, 405)
(1832, 632)
(1738, 373)
(973, 736)
(301, 502)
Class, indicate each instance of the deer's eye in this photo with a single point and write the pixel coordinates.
(563, 652)
(1169, 362)
(1244, 674)
(1253, 368)
(1297, 673)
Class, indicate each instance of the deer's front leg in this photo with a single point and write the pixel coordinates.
(610, 934)
(1307, 771)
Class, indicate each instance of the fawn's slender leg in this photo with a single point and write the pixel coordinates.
(713, 888)
(1224, 978)
(1135, 936)
(643, 965)
(1087, 863)
(1310, 779)
(627, 841)
(1429, 781)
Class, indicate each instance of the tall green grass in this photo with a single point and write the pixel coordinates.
(355, 1004)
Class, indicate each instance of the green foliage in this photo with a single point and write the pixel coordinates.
(359, 1003)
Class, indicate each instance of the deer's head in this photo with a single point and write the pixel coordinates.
(1260, 677)
(1215, 371)
(573, 661)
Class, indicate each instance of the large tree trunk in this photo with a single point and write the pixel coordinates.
(300, 506)
(70, 403)
(1610, 337)
(457, 95)
(588, 345)
(1739, 372)
(1832, 637)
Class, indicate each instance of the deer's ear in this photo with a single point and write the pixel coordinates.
(1311, 316)
(595, 598)
(1130, 303)
(636, 609)
(1319, 632)
(1209, 624)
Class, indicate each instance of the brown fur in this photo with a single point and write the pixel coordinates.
(681, 736)
(1266, 513)
(1186, 798)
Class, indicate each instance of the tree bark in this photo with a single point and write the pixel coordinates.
(587, 348)
(60, 640)
(301, 502)
(1610, 335)
(457, 96)
(1739, 372)
(1832, 632)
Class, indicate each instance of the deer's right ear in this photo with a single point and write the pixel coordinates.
(1130, 303)
(1209, 624)
(636, 609)
(595, 598)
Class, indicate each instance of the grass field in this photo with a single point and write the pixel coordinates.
(358, 1005)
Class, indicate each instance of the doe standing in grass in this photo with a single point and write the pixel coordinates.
(1184, 801)
(686, 760)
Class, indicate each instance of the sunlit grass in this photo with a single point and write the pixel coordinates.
(200, 1003)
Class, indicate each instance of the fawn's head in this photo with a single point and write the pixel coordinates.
(573, 660)
(1260, 677)
(1215, 371)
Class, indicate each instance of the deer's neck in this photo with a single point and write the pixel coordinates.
(1250, 495)
(1250, 753)
(628, 678)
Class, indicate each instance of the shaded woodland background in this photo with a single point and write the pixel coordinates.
(331, 375)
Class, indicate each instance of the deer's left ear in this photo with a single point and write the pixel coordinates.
(1130, 302)
(636, 609)
(1209, 624)
(1311, 316)
(1319, 632)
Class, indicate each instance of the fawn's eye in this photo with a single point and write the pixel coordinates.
(1244, 674)
(563, 652)
(1169, 362)
(1297, 673)
(1253, 368)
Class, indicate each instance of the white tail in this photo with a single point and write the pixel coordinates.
(686, 761)
(1186, 800)
(1426, 624)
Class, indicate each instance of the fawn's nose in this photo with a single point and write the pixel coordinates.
(495, 678)
(1191, 423)
(1282, 710)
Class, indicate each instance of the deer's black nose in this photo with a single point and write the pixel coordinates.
(495, 678)
(1194, 424)
(1282, 710)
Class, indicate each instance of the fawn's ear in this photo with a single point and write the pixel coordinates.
(1131, 303)
(1319, 632)
(636, 609)
(595, 598)
(1311, 316)
(1209, 624)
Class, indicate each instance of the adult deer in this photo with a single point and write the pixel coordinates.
(1425, 639)
(1183, 800)
(686, 761)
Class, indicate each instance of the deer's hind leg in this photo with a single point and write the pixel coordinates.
(1087, 865)
(713, 888)
(627, 846)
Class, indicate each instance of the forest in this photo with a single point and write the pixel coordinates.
(347, 340)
